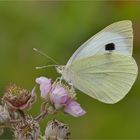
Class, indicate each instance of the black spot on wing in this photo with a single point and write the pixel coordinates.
(110, 47)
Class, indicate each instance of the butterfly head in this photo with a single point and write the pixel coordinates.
(60, 69)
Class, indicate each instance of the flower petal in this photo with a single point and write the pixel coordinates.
(43, 80)
(45, 86)
(73, 108)
(59, 95)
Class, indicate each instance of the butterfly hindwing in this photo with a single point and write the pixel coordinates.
(106, 77)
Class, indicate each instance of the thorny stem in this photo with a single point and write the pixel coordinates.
(43, 106)
(15, 121)
(12, 115)
(43, 113)
(5, 126)
(41, 116)
(21, 114)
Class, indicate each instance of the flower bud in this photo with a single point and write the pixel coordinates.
(27, 129)
(59, 96)
(4, 115)
(56, 130)
(73, 108)
(45, 86)
(18, 98)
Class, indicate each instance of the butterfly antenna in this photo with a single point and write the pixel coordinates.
(42, 53)
(42, 67)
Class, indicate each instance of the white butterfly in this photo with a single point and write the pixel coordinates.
(103, 67)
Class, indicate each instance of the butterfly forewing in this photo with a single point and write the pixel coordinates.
(120, 34)
(106, 77)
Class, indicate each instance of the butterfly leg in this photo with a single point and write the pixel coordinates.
(59, 79)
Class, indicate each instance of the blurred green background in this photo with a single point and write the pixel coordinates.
(58, 29)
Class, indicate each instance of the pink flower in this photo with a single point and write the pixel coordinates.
(59, 96)
(73, 108)
(45, 86)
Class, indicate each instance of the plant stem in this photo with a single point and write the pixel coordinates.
(41, 116)
(15, 121)
(21, 114)
(5, 126)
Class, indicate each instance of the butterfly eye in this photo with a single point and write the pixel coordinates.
(110, 47)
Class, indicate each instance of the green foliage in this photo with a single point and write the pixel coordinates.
(58, 29)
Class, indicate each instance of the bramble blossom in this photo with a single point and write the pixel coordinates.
(60, 96)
